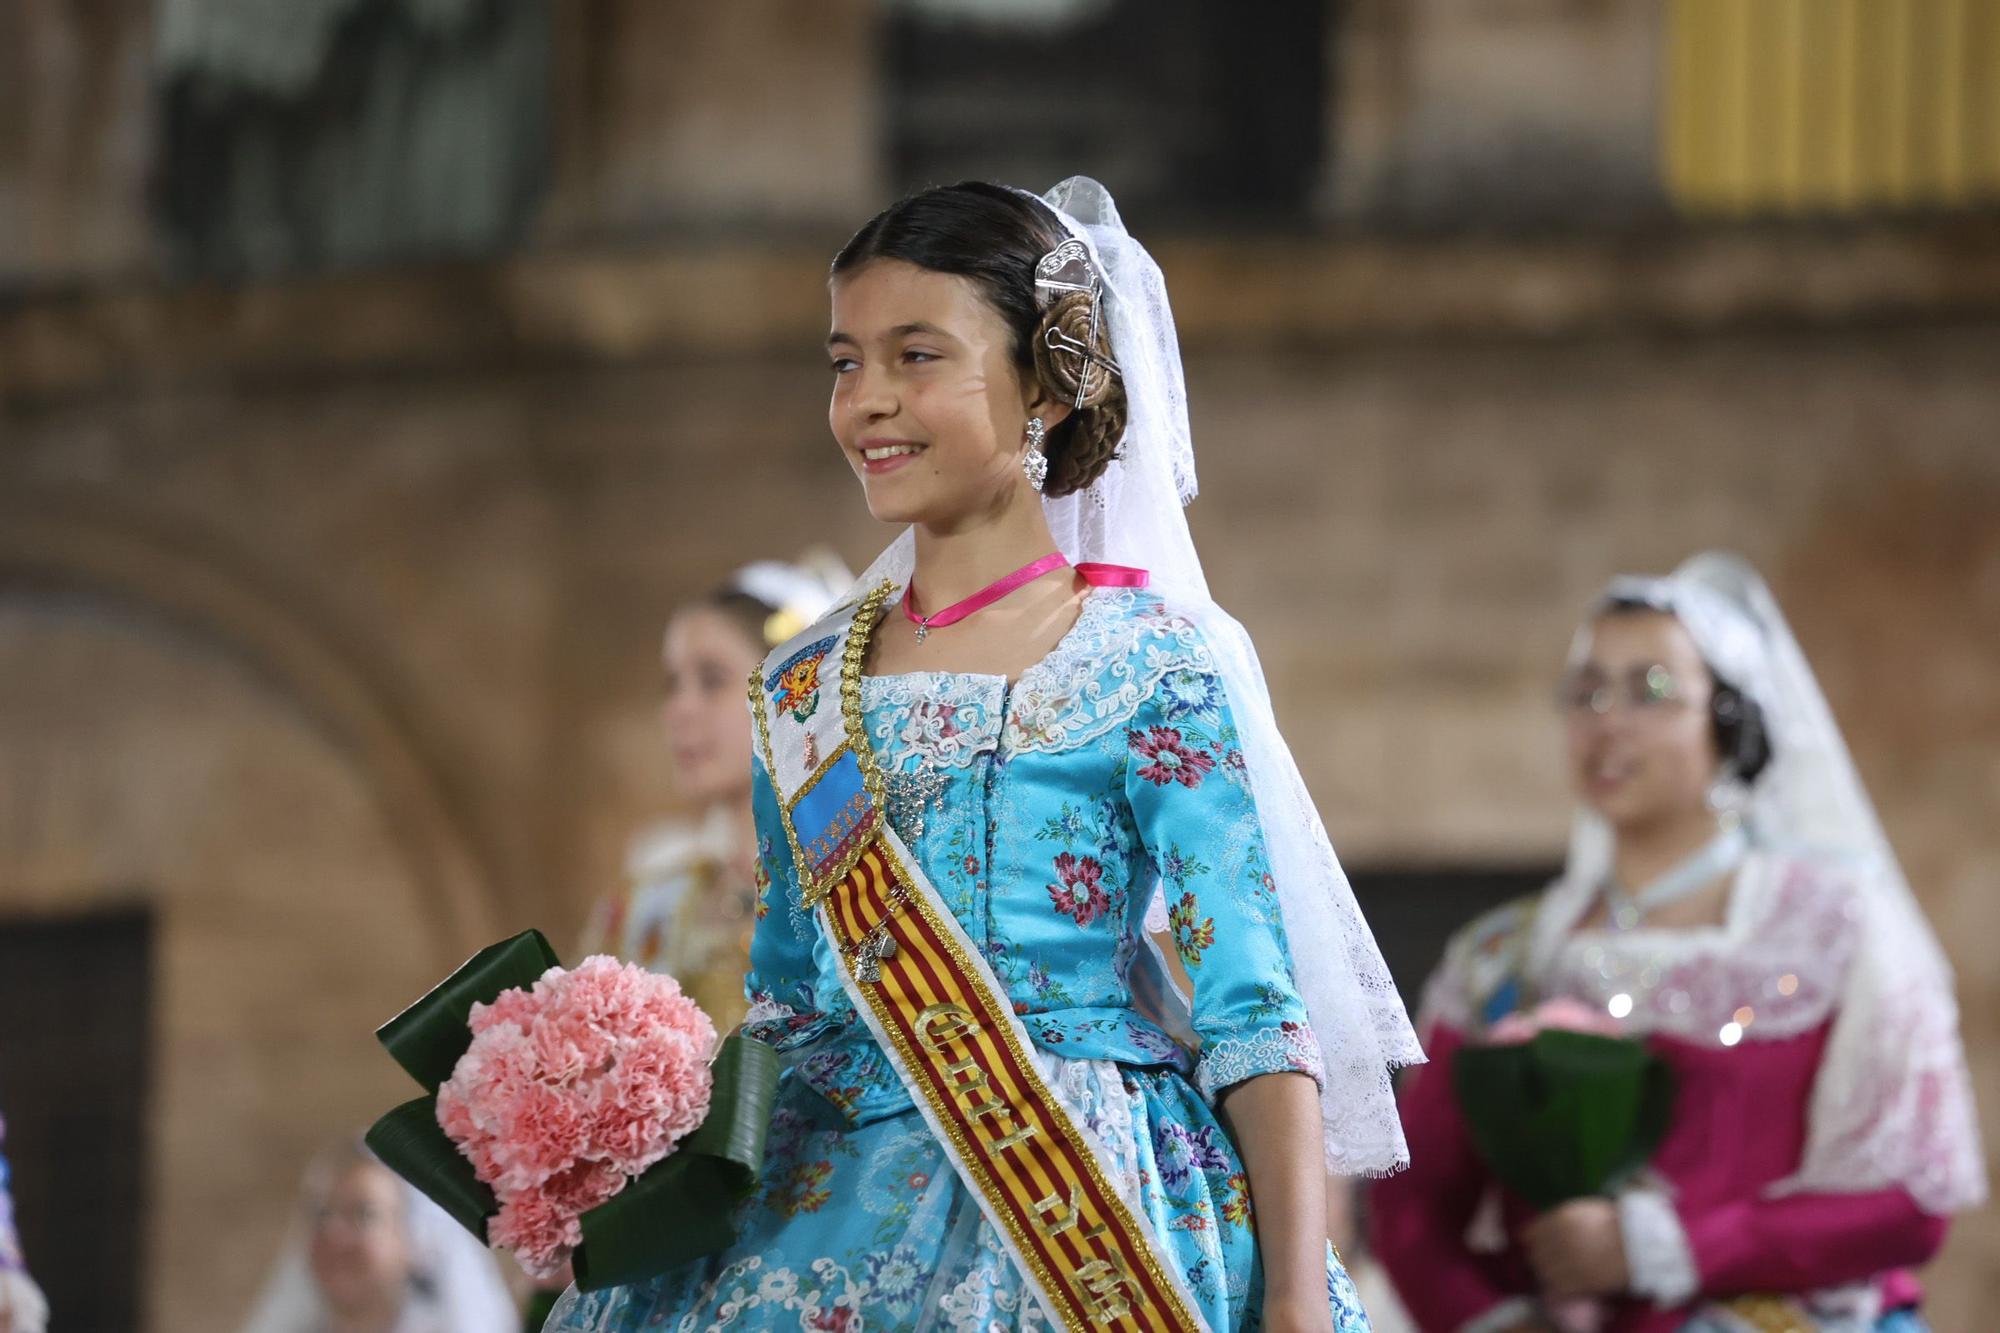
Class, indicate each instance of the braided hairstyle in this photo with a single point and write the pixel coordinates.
(995, 236)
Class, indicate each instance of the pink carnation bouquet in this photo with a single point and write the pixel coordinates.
(571, 1089)
(580, 1117)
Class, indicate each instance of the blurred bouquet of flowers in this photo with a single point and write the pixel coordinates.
(1561, 1105)
(576, 1117)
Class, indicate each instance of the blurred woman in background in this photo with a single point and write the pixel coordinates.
(371, 1255)
(690, 905)
(1730, 900)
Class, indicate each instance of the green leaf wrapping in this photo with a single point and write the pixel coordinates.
(429, 1036)
(1566, 1115)
(409, 1142)
(676, 1211)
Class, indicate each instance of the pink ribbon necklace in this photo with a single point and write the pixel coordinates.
(1096, 575)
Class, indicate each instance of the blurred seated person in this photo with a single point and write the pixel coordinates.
(369, 1254)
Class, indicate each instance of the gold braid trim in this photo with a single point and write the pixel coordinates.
(813, 888)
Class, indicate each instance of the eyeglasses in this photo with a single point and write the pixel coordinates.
(1644, 691)
(357, 1218)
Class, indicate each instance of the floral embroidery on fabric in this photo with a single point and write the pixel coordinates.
(1236, 1204)
(803, 1189)
(1080, 895)
(1270, 1002)
(1097, 827)
(1177, 868)
(760, 876)
(1192, 938)
(897, 1278)
(795, 683)
(1050, 992)
(1182, 1152)
(1187, 694)
(834, 1074)
(1168, 757)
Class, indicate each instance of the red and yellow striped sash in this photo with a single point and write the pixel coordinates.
(967, 1058)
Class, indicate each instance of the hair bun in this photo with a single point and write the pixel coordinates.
(1066, 326)
(1084, 444)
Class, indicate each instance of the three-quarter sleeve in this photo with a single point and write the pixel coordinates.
(784, 1009)
(1190, 796)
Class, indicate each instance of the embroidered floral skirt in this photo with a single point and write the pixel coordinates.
(868, 1227)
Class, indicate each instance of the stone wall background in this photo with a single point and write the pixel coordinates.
(328, 607)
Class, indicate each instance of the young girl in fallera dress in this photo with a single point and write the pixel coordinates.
(974, 779)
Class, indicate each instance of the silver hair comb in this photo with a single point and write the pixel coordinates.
(1067, 268)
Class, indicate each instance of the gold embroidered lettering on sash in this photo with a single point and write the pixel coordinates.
(1109, 1287)
(1055, 1214)
(939, 1025)
(974, 1094)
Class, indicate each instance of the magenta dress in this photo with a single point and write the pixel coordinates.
(1759, 1204)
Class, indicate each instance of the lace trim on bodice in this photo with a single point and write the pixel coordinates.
(1107, 666)
(1774, 969)
(943, 719)
(1126, 647)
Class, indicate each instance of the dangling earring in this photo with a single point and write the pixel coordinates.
(1036, 463)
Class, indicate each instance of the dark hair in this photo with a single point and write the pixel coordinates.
(740, 609)
(995, 236)
(1735, 720)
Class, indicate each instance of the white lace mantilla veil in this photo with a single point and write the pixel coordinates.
(1891, 1104)
(1133, 515)
(458, 1284)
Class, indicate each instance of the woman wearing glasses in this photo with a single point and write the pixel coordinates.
(1730, 900)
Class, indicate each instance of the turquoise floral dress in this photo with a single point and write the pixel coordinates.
(1044, 811)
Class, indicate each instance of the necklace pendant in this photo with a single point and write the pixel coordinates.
(923, 630)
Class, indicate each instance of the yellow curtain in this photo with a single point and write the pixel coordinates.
(1831, 106)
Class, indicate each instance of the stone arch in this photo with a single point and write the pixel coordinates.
(116, 552)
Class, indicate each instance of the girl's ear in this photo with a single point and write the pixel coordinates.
(1052, 410)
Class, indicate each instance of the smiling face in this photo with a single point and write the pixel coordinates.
(1640, 738)
(929, 404)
